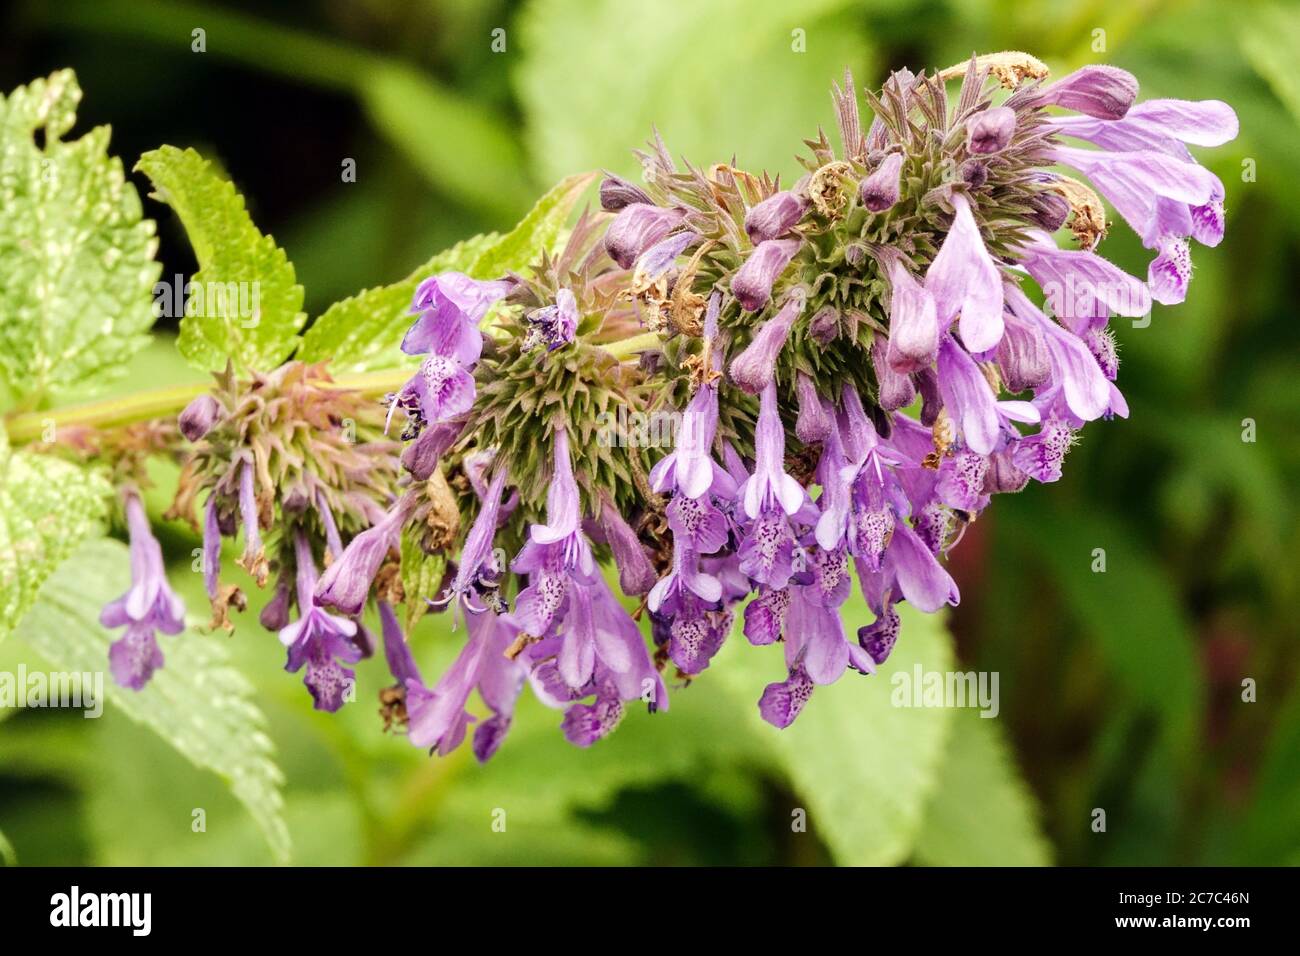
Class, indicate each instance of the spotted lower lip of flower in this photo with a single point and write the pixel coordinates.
(442, 389)
(319, 640)
(149, 604)
(451, 306)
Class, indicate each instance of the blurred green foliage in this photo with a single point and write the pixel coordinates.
(1120, 690)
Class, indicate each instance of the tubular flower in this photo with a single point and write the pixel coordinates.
(646, 403)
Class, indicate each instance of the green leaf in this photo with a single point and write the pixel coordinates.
(421, 574)
(76, 257)
(250, 300)
(1270, 38)
(981, 813)
(1130, 610)
(454, 142)
(198, 703)
(862, 767)
(694, 76)
(364, 332)
(47, 507)
(536, 233)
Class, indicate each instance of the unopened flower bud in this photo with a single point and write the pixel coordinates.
(616, 193)
(638, 227)
(879, 191)
(1103, 92)
(989, 131)
(199, 416)
(774, 216)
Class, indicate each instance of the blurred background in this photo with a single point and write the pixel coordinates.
(1162, 691)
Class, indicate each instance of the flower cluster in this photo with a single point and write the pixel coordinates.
(857, 363)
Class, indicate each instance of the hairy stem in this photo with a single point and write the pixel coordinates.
(27, 427)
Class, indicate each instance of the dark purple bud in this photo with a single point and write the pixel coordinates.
(199, 416)
(1022, 357)
(638, 227)
(896, 390)
(774, 216)
(1003, 475)
(616, 193)
(753, 368)
(813, 424)
(752, 283)
(974, 173)
(421, 456)
(927, 386)
(825, 325)
(636, 575)
(294, 498)
(879, 191)
(1103, 92)
(275, 615)
(989, 131)
(1051, 209)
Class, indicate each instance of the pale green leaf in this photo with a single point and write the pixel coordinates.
(247, 303)
(717, 77)
(421, 574)
(198, 703)
(536, 233)
(363, 332)
(47, 507)
(1270, 38)
(76, 258)
(460, 147)
(981, 813)
(862, 767)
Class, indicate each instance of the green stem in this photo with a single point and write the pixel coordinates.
(161, 403)
(144, 406)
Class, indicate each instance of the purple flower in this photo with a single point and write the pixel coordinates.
(814, 423)
(754, 368)
(450, 308)
(1022, 357)
(1040, 456)
(1075, 371)
(636, 575)
(254, 558)
(990, 130)
(970, 402)
(913, 323)
(199, 416)
(476, 572)
(774, 216)
(688, 469)
(319, 640)
(1170, 271)
(442, 388)
(683, 580)
(438, 718)
(346, 582)
(149, 605)
(553, 325)
(964, 280)
(556, 554)
(879, 191)
(765, 616)
(752, 283)
(638, 227)
(770, 487)
(1104, 92)
(1077, 283)
(782, 702)
(893, 389)
(422, 455)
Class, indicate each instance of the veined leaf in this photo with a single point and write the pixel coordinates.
(862, 767)
(76, 257)
(421, 575)
(246, 302)
(364, 332)
(981, 813)
(47, 508)
(198, 703)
